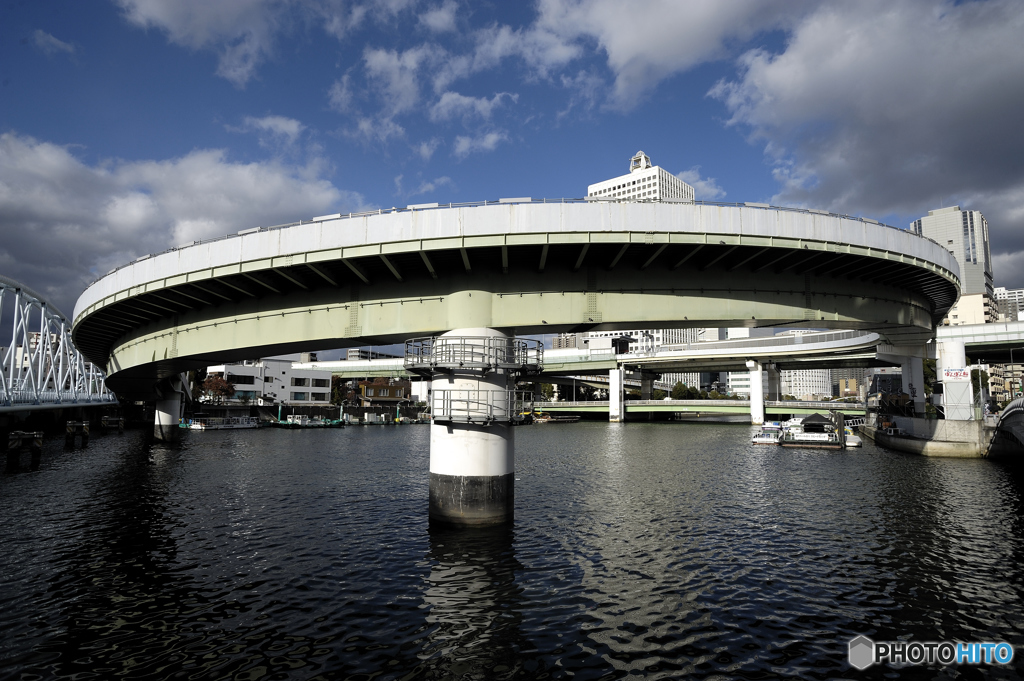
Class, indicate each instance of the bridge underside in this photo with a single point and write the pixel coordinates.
(316, 301)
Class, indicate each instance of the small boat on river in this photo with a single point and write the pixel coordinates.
(770, 433)
(222, 423)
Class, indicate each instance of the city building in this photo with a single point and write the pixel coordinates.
(644, 182)
(1010, 303)
(266, 382)
(375, 394)
(965, 234)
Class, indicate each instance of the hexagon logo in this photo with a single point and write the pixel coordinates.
(862, 652)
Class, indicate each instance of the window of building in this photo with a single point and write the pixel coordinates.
(321, 382)
(298, 396)
(268, 379)
(318, 397)
(240, 380)
(299, 382)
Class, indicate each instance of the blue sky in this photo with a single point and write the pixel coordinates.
(130, 126)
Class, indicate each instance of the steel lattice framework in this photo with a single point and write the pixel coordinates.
(41, 368)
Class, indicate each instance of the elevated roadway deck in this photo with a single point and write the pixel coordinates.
(518, 267)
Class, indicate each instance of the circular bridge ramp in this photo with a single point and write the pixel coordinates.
(522, 267)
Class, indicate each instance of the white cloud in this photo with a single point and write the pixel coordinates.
(464, 146)
(646, 43)
(396, 74)
(424, 187)
(273, 131)
(454, 105)
(376, 129)
(426, 149)
(67, 222)
(704, 188)
(48, 44)
(440, 19)
(894, 108)
(242, 31)
(340, 95)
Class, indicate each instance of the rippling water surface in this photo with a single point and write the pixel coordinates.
(638, 551)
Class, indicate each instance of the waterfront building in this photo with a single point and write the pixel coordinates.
(393, 393)
(965, 234)
(266, 382)
(644, 182)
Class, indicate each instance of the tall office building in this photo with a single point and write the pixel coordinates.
(645, 182)
(965, 234)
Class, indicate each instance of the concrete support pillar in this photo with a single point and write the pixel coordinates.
(913, 382)
(616, 396)
(957, 391)
(168, 413)
(774, 382)
(756, 393)
(646, 386)
(472, 439)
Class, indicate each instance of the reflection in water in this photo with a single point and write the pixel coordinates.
(638, 551)
(474, 604)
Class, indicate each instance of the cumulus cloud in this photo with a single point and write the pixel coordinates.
(489, 141)
(395, 74)
(704, 188)
(426, 149)
(273, 131)
(242, 32)
(440, 19)
(455, 105)
(424, 186)
(49, 45)
(648, 42)
(894, 108)
(75, 221)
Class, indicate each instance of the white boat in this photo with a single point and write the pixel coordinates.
(853, 440)
(813, 431)
(770, 433)
(222, 423)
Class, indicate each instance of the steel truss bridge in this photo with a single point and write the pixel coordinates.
(41, 368)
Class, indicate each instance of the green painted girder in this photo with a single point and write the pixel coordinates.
(533, 268)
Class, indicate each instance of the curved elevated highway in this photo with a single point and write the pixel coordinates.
(518, 266)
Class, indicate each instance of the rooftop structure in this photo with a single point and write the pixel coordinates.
(645, 182)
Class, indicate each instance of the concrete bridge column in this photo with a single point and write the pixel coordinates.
(957, 395)
(616, 396)
(913, 382)
(774, 382)
(756, 393)
(646, 386)
(168, 412)
(472, 437)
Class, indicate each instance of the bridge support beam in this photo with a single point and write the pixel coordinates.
(616, 396)
(472, 437)
(756, 393)
(168, 412)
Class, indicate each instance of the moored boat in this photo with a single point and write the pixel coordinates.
(222, 423)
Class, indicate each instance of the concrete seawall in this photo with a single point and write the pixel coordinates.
(937, 437)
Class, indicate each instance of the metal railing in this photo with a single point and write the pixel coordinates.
(39, 364)
(506, 202)
(489, 353)
(482, 407)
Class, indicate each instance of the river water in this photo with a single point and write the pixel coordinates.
(638, 551)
